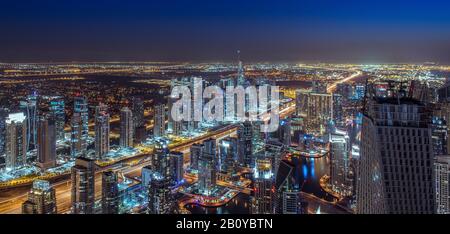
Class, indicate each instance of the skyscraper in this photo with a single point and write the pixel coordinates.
(395, 168)
(196, 153)
(110, 193)
(83, 186)
(207, 167)
(442, 182)
(228, 154)
(101, 131)
(161, 159)
(315, 107)
(78, 144)
(176, 166)
(160, 200)
(159, 120)
(340, 162)
(3, 116)
(57, 110)
(286, 194)
(262, 201)
(29, 108)
(126, 128)
(138, 119)
(41, 199)
(274, 150)
(81, 107)
(244, 133)
(16, 140)
(46, 144)
(174, 127)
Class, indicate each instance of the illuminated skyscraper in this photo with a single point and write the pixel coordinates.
(196, 153)
(29, 108)
(41, 199)
(16, 140)
(59, 115)
(395, 168)
(262, 201)
(207, 167)
(442, 182)
(3, 116)
(110, 193)
(245, 146)
(284, 132)
(176, 166)
(81, 107)
(315, 108)
(159, 120)
(240, 73)
(78, 145)
(139, 119)
(161, 159)
(101, 131)
(340, 162)
(338, 114)
(46, 144)
(160, 200)
(126, 128)
(274, 150)
(83, 186)
(174, 127)
(228, 154)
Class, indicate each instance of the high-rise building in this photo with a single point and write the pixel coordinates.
(78, 144)
(46, 144)
(160, 200)
(442, 182)
(126, 128)
(262, 201)
(176, 165)
(340, 150)
(245, 133)
(3, 116)
(196, 152)
(101, 131)
(83, 186)
(29, 108)
(173, 127)
(81, 107)
(139, 119)
(395, 167)
(284, 132)
(207, 167)
(315, 107)
(159, 120)
(286, 193)
(16, 140)
(146, 176)
(41, 199)
(161, 159)
(228, 154)
(57, 110)
(110, 193)
(274, 150)
(338, 113)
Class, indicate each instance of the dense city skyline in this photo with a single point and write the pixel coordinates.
(308, 31)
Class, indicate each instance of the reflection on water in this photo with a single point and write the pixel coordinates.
(307, 175)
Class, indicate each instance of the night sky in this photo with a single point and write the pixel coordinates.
(198, 30)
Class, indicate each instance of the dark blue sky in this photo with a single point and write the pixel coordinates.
(200, 30)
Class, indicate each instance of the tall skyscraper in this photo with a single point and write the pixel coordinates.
(286, 194)
(161, 159)
(196, 153)
(338, 113)
(174, 127)
(57, 110)
(29, 108)
(78, 144)
(340, 150)
(3, 116)
(110, 193)
(140, 132)
(274, 150)
(159, 120)
(101, 131)
(16, 140)
(207, 167)
(81, 107)
(241, 72)
(83, 186)
(41, 199)
(442, 182)
(395, 168)
(245, 133)
(176, 165)
(126, 128)
(160, 200)
(284, 132)
(228, 154)
(315, 107)
(262, 201)
(46, 144)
